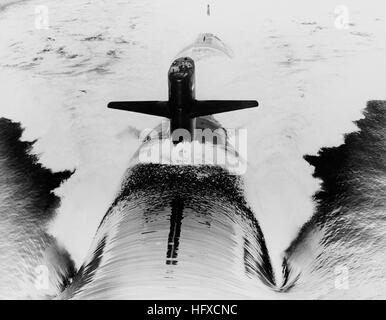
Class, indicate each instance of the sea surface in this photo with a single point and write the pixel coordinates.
(307, 218)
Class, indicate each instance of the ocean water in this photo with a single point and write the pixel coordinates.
(318, 221)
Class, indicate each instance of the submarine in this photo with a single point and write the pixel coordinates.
(182, 108)
(177, 231)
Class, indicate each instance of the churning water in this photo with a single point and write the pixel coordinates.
(290, 227)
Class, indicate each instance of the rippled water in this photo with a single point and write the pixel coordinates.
(311, 79)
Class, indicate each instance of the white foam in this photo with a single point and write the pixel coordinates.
(311, 79)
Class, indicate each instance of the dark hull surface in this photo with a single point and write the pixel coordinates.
(182, 231)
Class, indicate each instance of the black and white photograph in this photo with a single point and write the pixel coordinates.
(192, 150)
